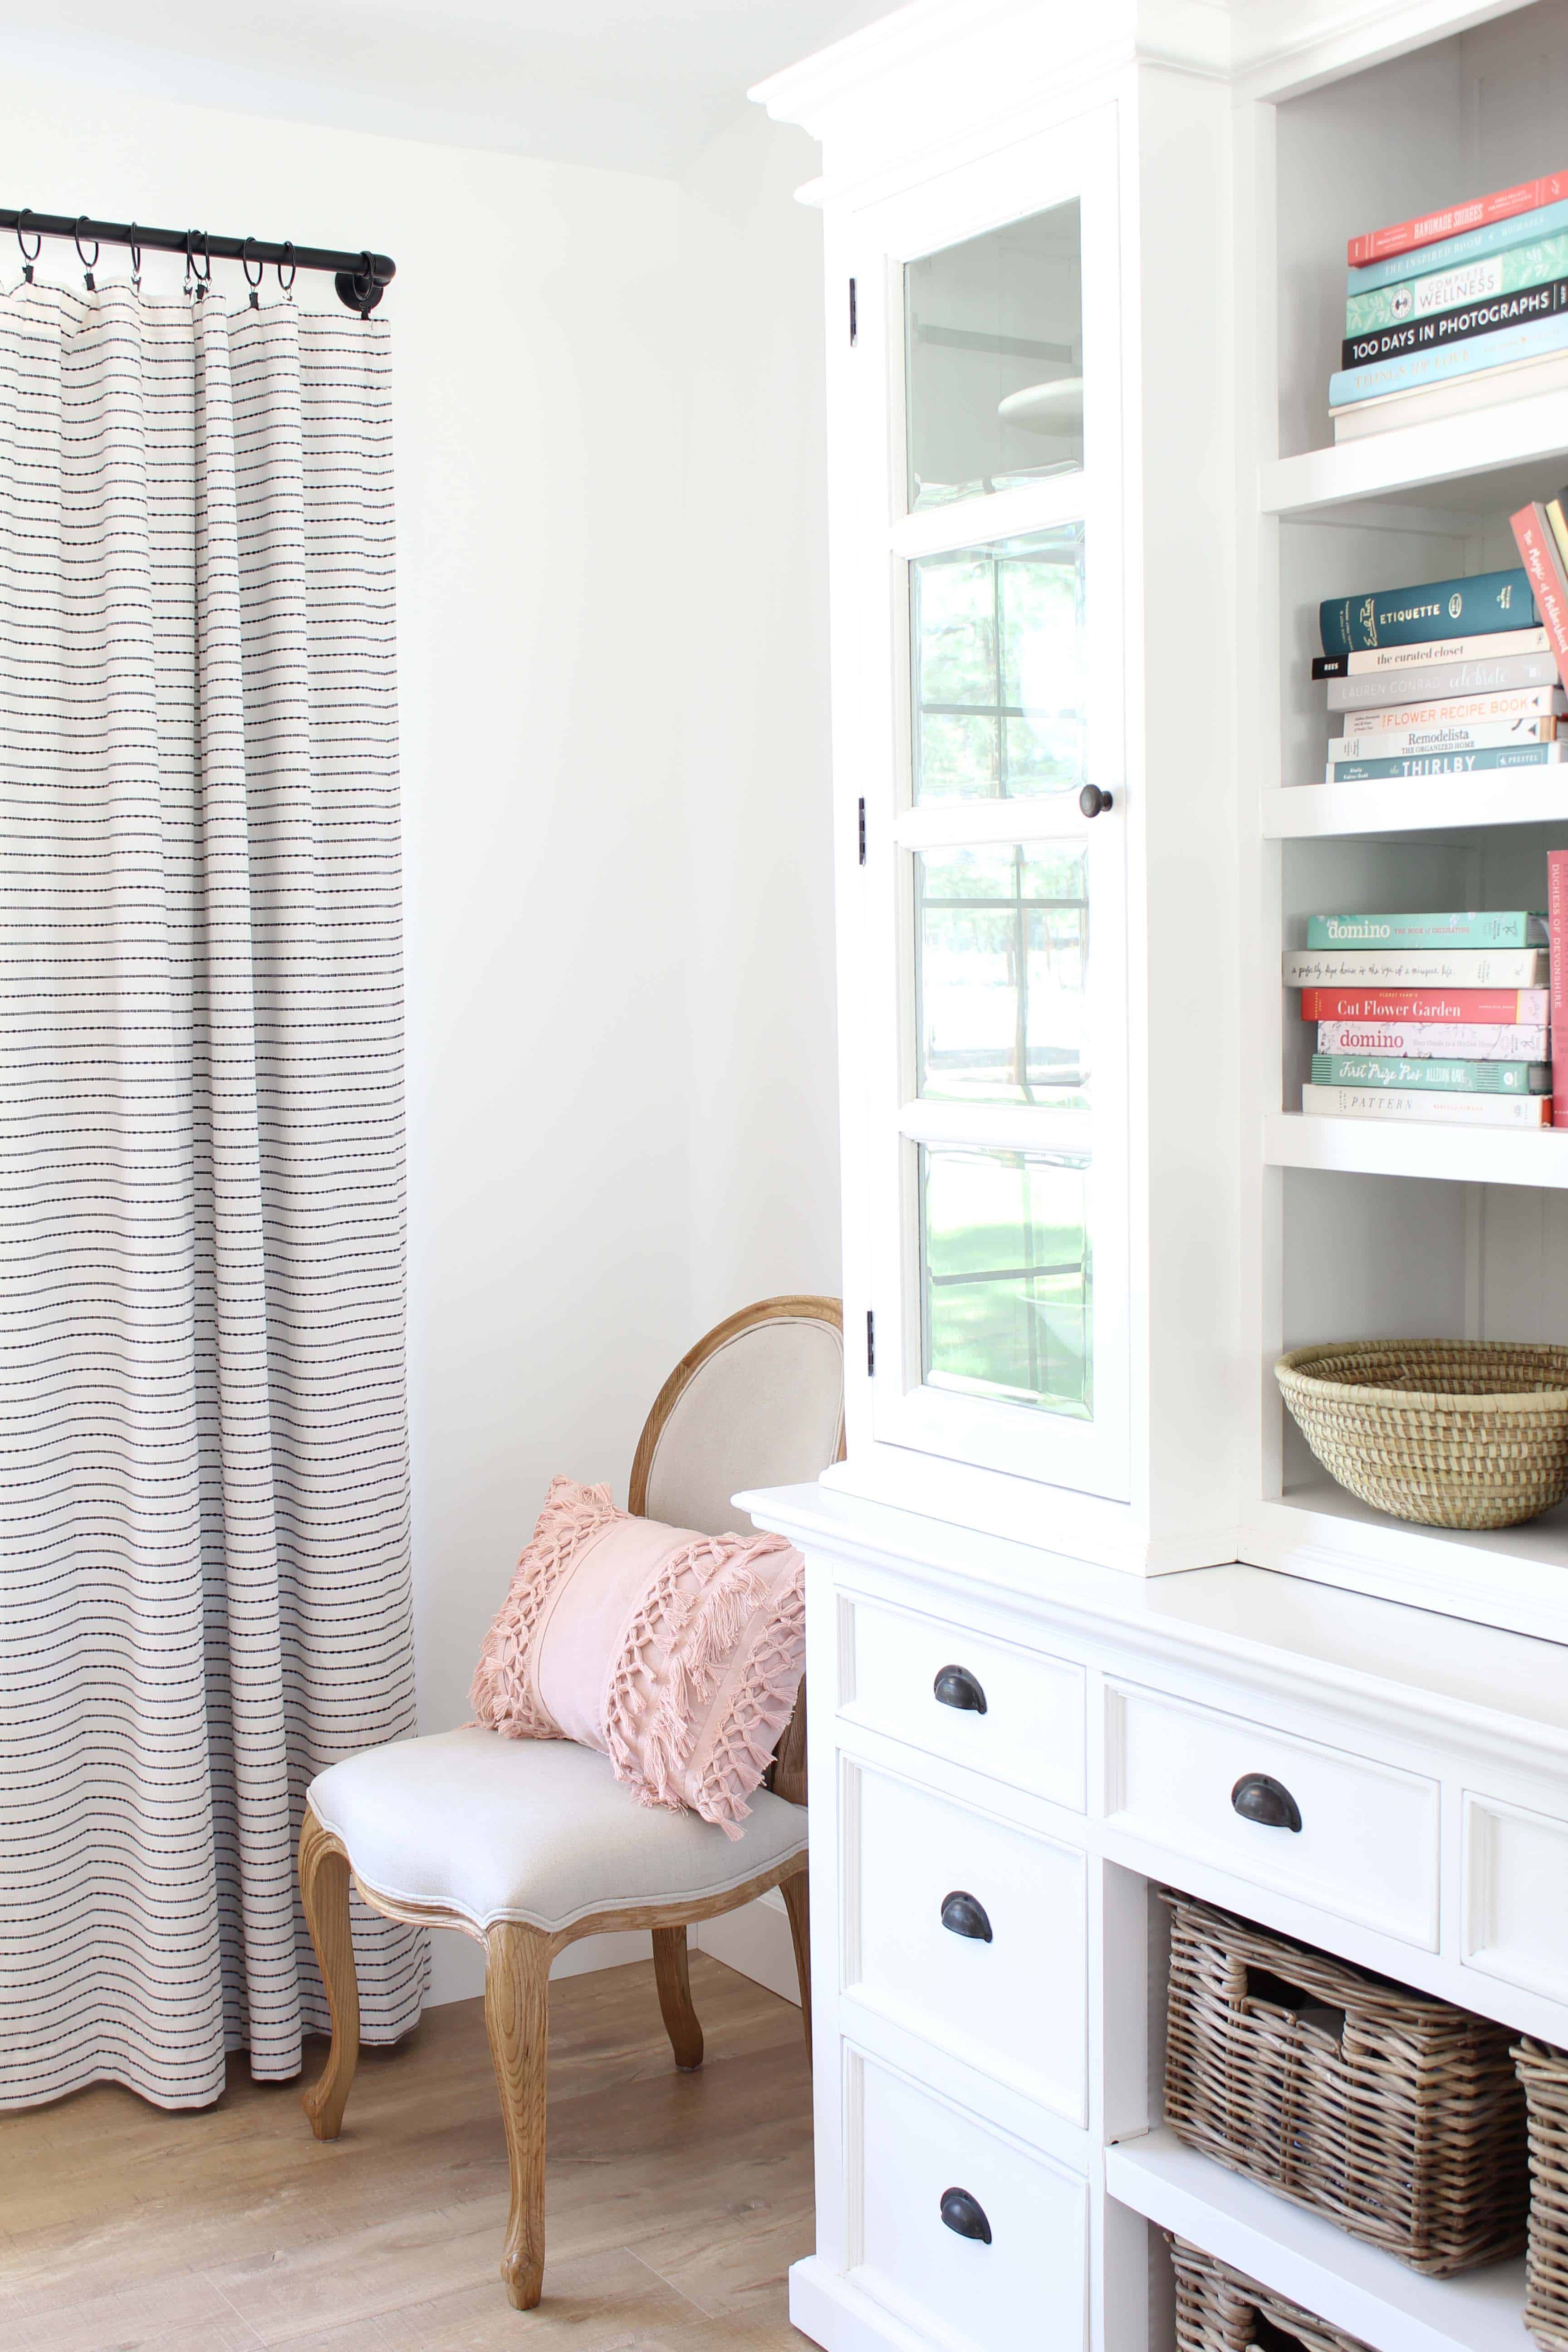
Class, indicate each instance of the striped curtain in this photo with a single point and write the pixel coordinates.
(204, 1469)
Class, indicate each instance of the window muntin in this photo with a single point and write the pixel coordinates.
(1002, 947)
(994, 360)
(998, 669)
(1006, 1278)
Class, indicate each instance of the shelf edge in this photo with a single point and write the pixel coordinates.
(1445, 1154)
(1306, 2257)
(1437, 805)
(1413, 457)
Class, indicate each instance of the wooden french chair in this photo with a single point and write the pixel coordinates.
(525, 1845)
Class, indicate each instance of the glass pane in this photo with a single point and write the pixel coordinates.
(1002, 943)
(995, 360)
(997, 661)
(1006, 1291)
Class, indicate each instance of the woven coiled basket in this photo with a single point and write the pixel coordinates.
(1448, 1433)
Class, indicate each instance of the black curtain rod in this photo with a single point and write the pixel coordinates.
(361, 277)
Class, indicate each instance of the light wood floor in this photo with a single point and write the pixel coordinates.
(675, 2202)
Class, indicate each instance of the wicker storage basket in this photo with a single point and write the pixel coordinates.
(1395, 2115)
(1544, 2074)
(1448, 1433)
(1218, 2310)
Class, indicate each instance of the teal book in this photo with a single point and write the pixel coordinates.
(1444, 288)
(1529, 339)
(1447, 764)
(1432, 1077)
(1454, 252)
(1427, 931)
(1476, 607)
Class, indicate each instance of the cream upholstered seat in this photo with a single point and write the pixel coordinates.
(527, 1844)
(532, 1830)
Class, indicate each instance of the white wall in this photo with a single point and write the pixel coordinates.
(763, 1124)
(613, 700)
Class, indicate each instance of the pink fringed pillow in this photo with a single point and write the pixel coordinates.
(678, 1656)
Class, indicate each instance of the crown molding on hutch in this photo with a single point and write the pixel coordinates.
(923, 81)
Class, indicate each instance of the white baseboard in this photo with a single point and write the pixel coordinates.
(830, 2310)
(755, 1939)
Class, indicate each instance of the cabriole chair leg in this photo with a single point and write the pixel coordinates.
(325, 1893)
(517, 2000)
(672, 1975)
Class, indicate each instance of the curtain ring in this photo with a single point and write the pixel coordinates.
(89, 263)
(200, 279)
(134, 242)
(286, 285)
(29, 259)
(361, 289)
(254, 283)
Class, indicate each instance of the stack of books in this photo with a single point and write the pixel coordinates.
(1443, 1017)
(1444, 678)
(1456, 311)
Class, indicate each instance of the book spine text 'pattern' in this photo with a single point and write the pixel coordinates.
(1458, 1110)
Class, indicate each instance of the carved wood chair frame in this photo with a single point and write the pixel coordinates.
(518, 1956)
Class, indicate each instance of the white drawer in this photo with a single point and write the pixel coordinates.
(1367, 1846)
(1012, 1713)
(1022, 2292)
(1015, 2005)
(1515, 1877)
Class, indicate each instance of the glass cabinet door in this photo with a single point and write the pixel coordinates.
(1000, 1085)
(994, 359)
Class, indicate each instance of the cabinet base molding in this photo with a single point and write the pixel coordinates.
(831, 2310)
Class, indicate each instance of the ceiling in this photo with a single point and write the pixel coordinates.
(637, 84)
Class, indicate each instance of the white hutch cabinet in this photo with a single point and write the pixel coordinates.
(1077, 1578)
(1031, 489)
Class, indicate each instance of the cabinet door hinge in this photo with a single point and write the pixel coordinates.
(854, 322)
(862, 833)
(870, 1344)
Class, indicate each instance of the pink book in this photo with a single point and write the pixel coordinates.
(1539, 554)
(1557, 934)
(1431, 228)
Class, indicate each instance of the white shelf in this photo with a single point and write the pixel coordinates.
(1509, 1577)
(1305, 2257)
(1451, 1154)
(1424, 804)
(1482, 462)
